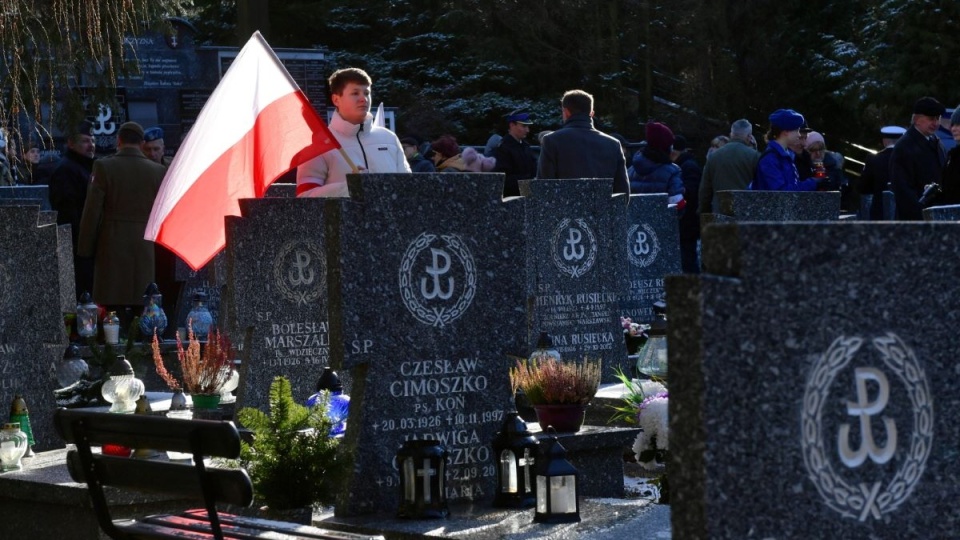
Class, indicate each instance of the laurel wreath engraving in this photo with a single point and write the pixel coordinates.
(437, 316)
(855, 501)
(281, 265)
(647, 259)
(574, 271)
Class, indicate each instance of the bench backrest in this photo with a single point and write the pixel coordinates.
(202, 438)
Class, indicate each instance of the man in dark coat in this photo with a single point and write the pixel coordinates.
(114, 220)
(876, 171)
(68, 193)
(514, 156)
(917, 159)
(578, 150)
(418, 163)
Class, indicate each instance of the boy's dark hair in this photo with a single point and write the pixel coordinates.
(342, 77)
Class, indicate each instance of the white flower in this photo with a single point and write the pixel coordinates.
(652, 388)
(653, 418)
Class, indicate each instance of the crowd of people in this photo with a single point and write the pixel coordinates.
(108, 201)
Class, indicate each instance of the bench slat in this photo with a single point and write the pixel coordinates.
(216, 438)
(294, 530)
(231, 486)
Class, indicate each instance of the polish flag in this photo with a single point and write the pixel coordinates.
(256, 126)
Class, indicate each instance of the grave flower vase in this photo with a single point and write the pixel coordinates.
(563, 418)
(205, 401)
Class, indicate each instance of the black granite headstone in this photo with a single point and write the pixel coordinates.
(32, 334)
(813, 377)
(942, 213)
(576, 268)
(35, 194)
(653, 251)
(427, 293)
(751, 205)
(277, 275)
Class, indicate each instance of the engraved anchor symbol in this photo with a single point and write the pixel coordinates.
(436, 271)
(640, 246)
(301, 263)
(573, 249)
(865, 409)
(104, 113)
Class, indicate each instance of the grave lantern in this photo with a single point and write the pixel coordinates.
(557, 500)
(653, 357)
(200, 317)
(87, 314)
(516, 450)
(72, 367)
(153, 317)
(123, 389)
(423, 467)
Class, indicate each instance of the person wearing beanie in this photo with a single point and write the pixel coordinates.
(113, 222)
(875, 178)
(776, 170)
(446, 154)
(832, 163)
(950, 184)
(653, 171)
(418, 163)
(917, 160)
(578, 150)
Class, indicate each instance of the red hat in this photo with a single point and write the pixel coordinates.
(659, 136)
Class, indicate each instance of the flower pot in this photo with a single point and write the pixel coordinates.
(563, 418)
(205, 401)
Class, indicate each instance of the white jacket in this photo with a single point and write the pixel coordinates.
(372, 148)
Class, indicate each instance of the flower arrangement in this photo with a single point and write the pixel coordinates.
(645, 403)
(635, 334)
(547, 381)
(202, 374)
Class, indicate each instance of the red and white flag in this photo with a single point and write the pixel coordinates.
(256, 126)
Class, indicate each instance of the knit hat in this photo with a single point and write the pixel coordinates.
(659, 137)
(446, 146)
(786, 119)
(813, 138)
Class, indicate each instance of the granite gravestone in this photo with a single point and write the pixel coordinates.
(751, 205)
(653, 251)
(793, 415)
(427, 305)
(28, 195)
(576, 268)
(32, 336)
(277, 276)
(942, 213)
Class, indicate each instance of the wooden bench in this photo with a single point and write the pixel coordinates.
(202, 438)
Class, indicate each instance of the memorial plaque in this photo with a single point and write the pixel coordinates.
(277, 276)
(576, 268)
(653, 252)
(427, 293)
(793, 415)
(32, 336)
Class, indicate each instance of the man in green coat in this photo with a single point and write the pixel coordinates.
(730, 167)
(115, 216)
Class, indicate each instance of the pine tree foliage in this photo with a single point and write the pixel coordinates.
(293, 461)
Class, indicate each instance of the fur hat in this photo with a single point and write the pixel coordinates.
(477, 162)
(929, 106)
(659, 137)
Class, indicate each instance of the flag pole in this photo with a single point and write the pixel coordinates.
(353, 166)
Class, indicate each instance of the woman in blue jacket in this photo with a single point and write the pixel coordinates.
(776, 170)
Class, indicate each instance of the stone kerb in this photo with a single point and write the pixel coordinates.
(277, 275)
(653, 252)
(576, 268)
(794, 416)
(426, 290)
(942, 213)
(32, 336)
(748, 205)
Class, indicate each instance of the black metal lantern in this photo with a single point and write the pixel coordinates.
(516, 450)
(423, 468)
(557, 500)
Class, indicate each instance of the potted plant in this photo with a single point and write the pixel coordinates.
(204, 370)
(293, 461)
(559, 391)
